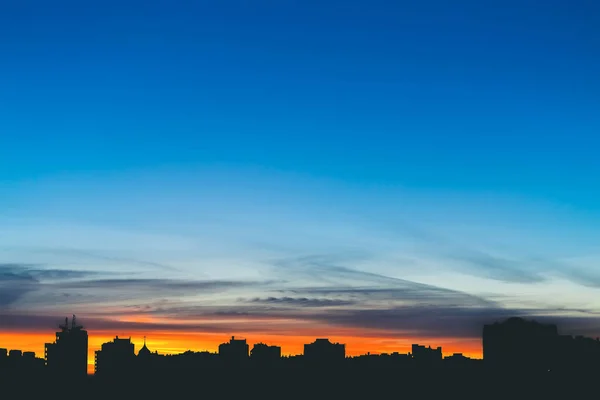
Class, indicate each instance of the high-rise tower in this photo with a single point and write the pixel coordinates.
(68, 355)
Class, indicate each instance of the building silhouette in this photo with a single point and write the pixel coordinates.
(459, 360)
(3, 361)
(426, 356)
(17, 362)
(265, 354)
(68, 355)
(234, 351)
(573, 353)
(381, 361)
(116, 357)
(144, 351)
(519, 343)
(322, 350)
(148, 362)
(15, 354)
(14, 360)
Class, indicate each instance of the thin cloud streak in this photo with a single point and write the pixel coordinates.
(106, 258)
(189, 286)
(497, 268)
(301, 302)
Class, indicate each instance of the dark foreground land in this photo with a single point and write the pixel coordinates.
(369, 383)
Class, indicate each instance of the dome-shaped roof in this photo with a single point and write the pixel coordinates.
(144, 351)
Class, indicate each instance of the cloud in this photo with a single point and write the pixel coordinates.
(402, 308)
(308, 293)
(28, 323)
(498, 268)
(14, 284)
(17, 280)
(301, 301)
(79, 253)
(348, 283)
(585, 276)
(326, 268)
(470, 260)
(34, 287)
(45, 323)
(34, 272)
(60, 274)
(411, 293)
(98, 294)
(160, 285)
(421, 321)
(453, 322)
(530, 270)
(399, 322)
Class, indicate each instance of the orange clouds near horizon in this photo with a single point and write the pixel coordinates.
(177, 342)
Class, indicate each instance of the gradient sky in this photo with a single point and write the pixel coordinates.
(378, 172)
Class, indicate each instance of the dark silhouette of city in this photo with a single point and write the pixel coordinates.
(524, 356)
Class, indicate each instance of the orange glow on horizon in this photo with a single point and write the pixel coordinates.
(176, 342)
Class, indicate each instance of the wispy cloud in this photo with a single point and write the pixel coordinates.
(481, 264)
(100, 256)
(36, 287)
(19, 279)
(330, 278)
(41, 323)
(14, 284)
(588, 276)
(318, 291)
(159, 285)
(468, 258)
(301, 301)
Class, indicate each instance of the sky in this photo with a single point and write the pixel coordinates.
(380, 173)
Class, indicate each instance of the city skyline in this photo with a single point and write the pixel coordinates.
(379, 171)
(507, 341)
(535, 357)
(168, 344)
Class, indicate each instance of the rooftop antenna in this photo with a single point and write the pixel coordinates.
(74, 324)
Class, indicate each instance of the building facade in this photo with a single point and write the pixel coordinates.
(115, 358)
(235, 351)
(322, 350)
(262, 353)
(518, 343)
(68, 355)
(426, 355)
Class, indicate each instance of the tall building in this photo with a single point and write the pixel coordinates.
(322, 350)
(115, 358)
(236, 350)
(517, 343)
(68, 355)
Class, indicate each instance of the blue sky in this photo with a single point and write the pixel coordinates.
(450, 144)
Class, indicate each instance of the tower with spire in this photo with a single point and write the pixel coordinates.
(144, 351)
